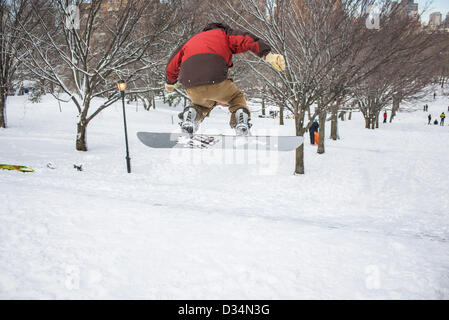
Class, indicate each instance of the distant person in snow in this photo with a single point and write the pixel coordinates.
(435, 122)
(385, 116)
(442, 116)
(430, 118)
(313, 128)
(434, 95)
(201, 65)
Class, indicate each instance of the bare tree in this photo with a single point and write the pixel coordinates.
(321, 42)
(405, 62)
(111, 44)
(328, 50)
(12, 14)
(408, 57)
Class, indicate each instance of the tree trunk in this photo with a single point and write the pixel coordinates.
(81, 142)
(392, 115)
(334, 124)
(396, 103)
(322, 132)
(299, 156)
(299, 163)
(281, 115)
(263, 106)
(367, 122)
(2, 110)
(377, 120)
(42, 86)
(350, 115)
(154, 101)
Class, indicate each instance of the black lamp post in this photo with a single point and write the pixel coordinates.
(122, 87)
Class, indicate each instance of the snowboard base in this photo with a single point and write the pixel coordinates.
(166, 140)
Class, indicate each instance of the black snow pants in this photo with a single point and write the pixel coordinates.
(312, 137)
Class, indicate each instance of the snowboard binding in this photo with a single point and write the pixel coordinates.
(242, 124)
(189, 123)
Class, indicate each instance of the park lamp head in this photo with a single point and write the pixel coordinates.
(121, 85)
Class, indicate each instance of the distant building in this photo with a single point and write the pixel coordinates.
(412, 7)
(435, 19)
(408, 7)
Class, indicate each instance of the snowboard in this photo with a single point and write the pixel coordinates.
(16, 167)
(166, 140)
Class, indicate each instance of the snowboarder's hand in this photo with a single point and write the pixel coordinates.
(170, 87)
(276, 60)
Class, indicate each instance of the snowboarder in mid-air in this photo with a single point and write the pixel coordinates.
(201, 64)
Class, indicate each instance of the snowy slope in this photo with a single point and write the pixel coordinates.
(368, 220)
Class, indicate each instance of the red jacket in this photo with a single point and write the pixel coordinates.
(206, 57)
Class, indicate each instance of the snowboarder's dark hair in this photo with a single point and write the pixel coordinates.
(217, 25)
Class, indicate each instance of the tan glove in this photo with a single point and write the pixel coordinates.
(170, 87)
(276, 60)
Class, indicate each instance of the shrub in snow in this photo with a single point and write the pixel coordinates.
(35, 95)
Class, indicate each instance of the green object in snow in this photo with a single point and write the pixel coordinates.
(16, 167)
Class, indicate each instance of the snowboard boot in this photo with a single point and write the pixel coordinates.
(189, 123)
(240, 122)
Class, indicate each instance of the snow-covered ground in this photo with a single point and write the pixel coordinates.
(369, 219)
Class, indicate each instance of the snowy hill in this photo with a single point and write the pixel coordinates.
(369, 219)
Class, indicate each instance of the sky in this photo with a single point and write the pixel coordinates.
(435, 5)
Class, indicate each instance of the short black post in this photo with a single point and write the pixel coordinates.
(122, 87)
